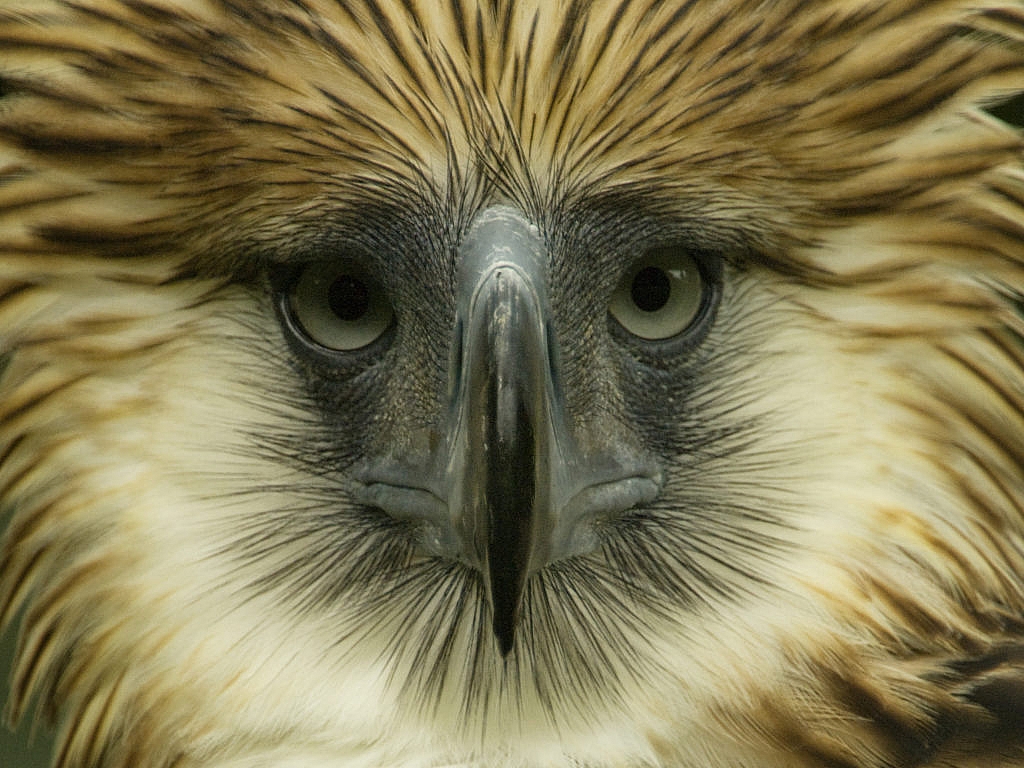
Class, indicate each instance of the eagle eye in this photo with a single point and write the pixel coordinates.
(338, 306)
(661, 295)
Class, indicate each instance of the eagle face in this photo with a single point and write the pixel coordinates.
(513, 384)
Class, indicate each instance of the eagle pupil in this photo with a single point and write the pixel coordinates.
(651, 289)
(349, 298)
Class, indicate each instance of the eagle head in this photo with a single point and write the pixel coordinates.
(593, 384)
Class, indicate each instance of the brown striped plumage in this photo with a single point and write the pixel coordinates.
(845, 478)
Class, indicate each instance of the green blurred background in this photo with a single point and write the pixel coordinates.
(26, 750)
(19, 750)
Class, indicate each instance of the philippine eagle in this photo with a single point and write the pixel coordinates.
(514, 383)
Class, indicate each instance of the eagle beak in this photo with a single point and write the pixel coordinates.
(508, 491)
(521, 493)
(509, 426)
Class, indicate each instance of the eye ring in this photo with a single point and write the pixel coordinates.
(663, 295)
(337, 306)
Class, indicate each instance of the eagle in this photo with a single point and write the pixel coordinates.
(513, 383)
